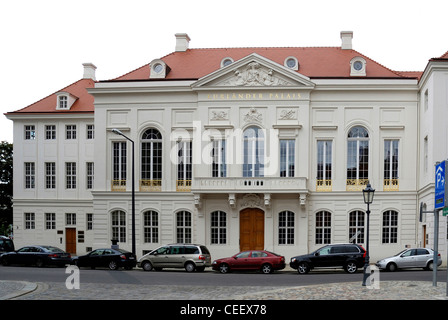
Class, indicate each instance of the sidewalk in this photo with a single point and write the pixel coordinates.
(388, 290)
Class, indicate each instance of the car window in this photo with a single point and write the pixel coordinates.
(324, 251)
(97, 252)
(191, 250)
(25, 249)
(204, 250)
(6, 244)
(53, 249)
(177, 250)
(338, 249)
(407, 253)
(163, 250)
(422, 252)
(258, 254)
(108, 251)
(244, 254)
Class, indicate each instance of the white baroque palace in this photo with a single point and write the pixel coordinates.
(235, 148)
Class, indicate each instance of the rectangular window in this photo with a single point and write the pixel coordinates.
(390, 165)
(390, 227)
(184, 165)
(287, 158)
(50, 221)
(30, 221)
(89, 220)
(50, 175)
(70, 219)
(219, 168)
(286, 227)
(70, 175)
(70, 132)
(63, 102)
(89, 178)
(50, 132)
(30, 132)
(90, 131)
(119, 166)
(151, 227)
(218, 227)
(324, 165)
(29, 175)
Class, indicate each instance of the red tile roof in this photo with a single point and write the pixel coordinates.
(315, 62)
(83, 103)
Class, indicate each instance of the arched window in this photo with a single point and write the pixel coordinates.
(323, 227)
(286, 227)
(218, 227)
(151, 164)
(390, 226)
(118, 223)
(356, 226)
(183, 227)
(151, 226)
(357, 158)
(253, 153)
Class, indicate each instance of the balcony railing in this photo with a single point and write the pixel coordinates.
(118, 185)
(183, 185)
(150, 185)
(391, 185)
(356, 184)
(244, 185)
(324, 185)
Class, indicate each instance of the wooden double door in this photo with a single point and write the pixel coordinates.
(251, 229)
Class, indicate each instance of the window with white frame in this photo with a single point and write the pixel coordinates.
(70, 132)
(219, 168)
(356, 226)
(218, 227)
(323, 227)
(50, 175)
(151, 226)
(62, 102)
(184, 165)
(119, 225)
(391, 163)
(70, 219)
(286, 227)
(90, 175)
(50, 221)
(30, 220)
(287, 158)
(324, 163)
(390, 227)
(90, 134)
(183, 227)
(357, 156)
(119, 164)
(151, 164)
(70, 175)
(50, 132)
(30, 172)
(89, 221)
(253, 152)
(30, 132)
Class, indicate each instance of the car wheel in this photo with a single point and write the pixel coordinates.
(5, 262)
(39, 263)
(351, 267)
(391, 267)
(113, 265)
(147, 266)
(430, 266)
(303, 268)
(266, 268)
(190, 267)
(224, 268)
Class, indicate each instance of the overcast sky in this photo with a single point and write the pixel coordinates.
(45, 42)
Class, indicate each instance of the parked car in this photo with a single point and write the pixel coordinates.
(37, 255)
(189, 256)
(348, 256)
(108, 258)
(262, 260)
(6, 244)
(410, 258)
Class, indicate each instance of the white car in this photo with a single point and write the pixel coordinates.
(410, 258)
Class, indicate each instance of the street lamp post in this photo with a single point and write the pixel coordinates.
(367, 193)
(116, 131)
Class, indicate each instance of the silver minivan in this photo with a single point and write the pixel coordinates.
(189, 256)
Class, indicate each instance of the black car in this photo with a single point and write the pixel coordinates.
(6, 244)
(109, 258)
(348, 256)
(37, 255)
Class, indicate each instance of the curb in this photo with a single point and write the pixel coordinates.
(27, 287)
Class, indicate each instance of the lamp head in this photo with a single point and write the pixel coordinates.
(368, 193)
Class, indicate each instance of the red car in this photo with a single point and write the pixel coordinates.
(262, 260)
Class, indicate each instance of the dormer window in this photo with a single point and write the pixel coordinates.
(158, 69)
(291, 63)
(358, 67)
(64, 100)
(226, 61)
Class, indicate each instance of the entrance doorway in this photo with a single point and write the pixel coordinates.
(251, 229)
(70, 240)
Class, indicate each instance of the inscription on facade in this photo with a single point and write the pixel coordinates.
(255, 96)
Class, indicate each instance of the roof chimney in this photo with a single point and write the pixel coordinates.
(89, 71)
(346, 37)
(182, 41)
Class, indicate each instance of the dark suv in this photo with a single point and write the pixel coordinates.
(348, 256)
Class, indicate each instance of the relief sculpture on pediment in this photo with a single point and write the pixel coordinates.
(253, 75)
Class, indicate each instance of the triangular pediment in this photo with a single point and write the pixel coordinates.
(254, 71)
